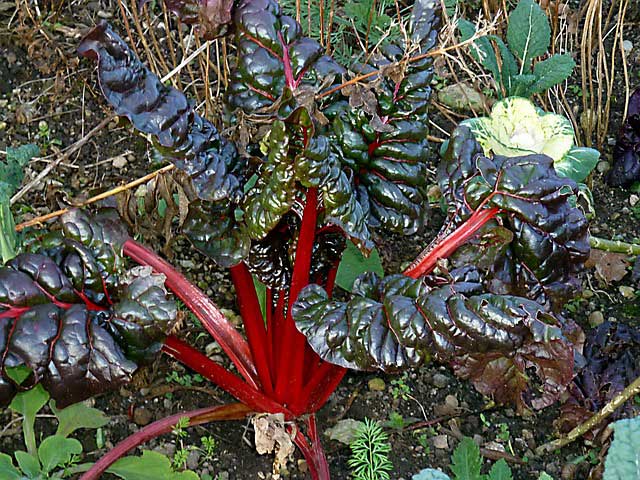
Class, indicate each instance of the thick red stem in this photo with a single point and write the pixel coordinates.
(291, 356)
(428, 259)
(253, 323)
(219, 375)
(202, 307)
(235, 411)
(316, 447)
(322, 383)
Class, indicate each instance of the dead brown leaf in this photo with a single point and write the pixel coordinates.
(271, 436)
(610, 267)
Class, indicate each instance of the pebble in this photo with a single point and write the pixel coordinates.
(627, 292)
(377, 385)
(142, 416)
(302, 466)
(440, 380)
(596, 318)
(587, 294)
(440, 441)
(627, 45)
(633, 199)
(193, 459)
(603, 166)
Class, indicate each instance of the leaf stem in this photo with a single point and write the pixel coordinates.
(253, 323)
(614, 246)
(428, 258)
(200, 363)
(292, 354)
(234, 411)
(202, 307)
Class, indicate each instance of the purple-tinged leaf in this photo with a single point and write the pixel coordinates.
(183, 137)
(278, 69)
(397, 322)
(611, 353)
(72, 315)
(626, 154)
(550, 240)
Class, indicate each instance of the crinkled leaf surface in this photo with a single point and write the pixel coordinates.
(396, 322)
(380, 134)
(610, 354)
(182, 136)
(278, 69)
(550, 238)
(72, 315)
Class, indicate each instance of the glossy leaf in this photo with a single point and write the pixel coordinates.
(380, 134)
(74, 317)
(610, 353)
(626, 154)
(550, 238)
(278, 69)
(397, 322)
(182, 136)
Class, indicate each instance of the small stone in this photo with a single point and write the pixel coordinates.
(596, 318)
(302, 466)
(451, 401)
(119, 162)
(439, 380)
(612, 319)
(587, 294)
(193, 459)
(345, 431)
(105, 15)
(377, 385)
(462, 96)
(603, 166)
(627, 45)
(142, 416)
(167, 449)
(627, 292)
(440, 442)
(633, 199)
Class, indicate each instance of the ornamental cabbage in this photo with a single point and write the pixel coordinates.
(516, 127)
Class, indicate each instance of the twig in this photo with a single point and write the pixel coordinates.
(417, 58)
(65, 156)
(615, 246)
(114, 191)
(631, 390)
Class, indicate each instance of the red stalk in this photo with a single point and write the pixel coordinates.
(291, 355)
(323, 382)
(427, 260)
(316, 448)
(234, 411)
(253, 323)
(200, 363)
(203, 308)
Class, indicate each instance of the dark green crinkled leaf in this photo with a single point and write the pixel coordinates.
(212, 228)
(72, 315)
(397, 322)
(274, 193)
(380, 134)
(278, 69)
(550, 237)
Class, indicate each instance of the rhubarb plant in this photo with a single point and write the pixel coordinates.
(339, 164)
